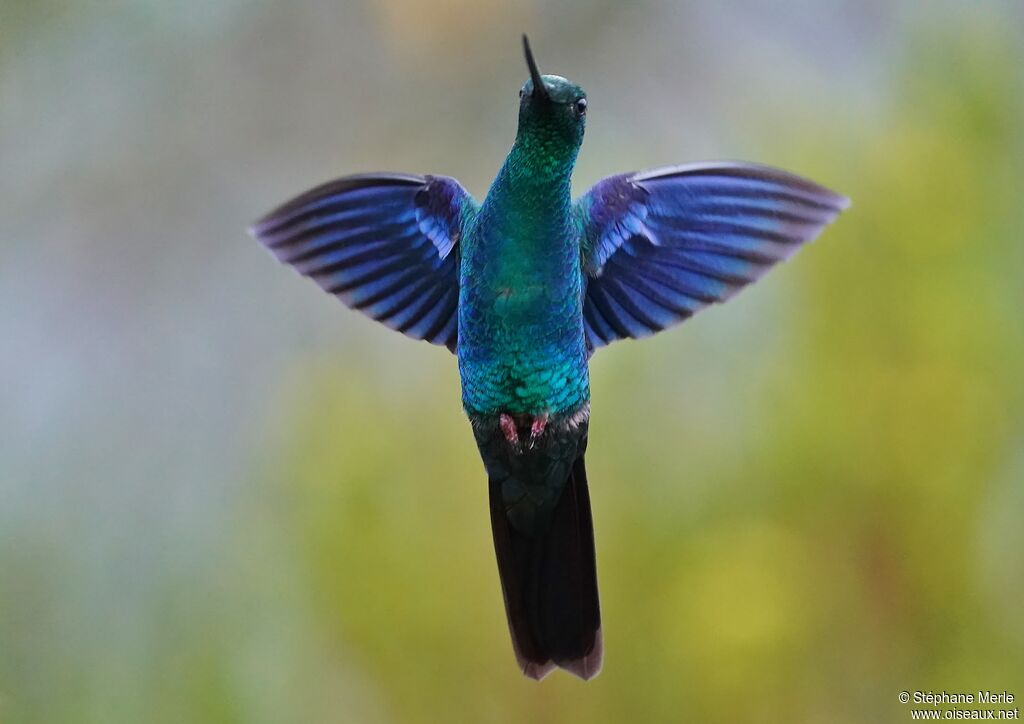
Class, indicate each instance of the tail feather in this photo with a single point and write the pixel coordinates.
(549, 581)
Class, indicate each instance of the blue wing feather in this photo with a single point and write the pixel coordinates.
(385, 244)
(660, 245)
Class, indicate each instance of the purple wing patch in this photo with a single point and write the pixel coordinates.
(660, 245)
(385, 244)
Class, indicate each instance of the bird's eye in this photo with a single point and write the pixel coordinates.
(522, 92)
(580, 108)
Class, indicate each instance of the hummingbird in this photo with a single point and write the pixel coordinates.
(523, 288)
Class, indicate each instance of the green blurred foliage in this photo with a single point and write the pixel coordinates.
(805, 501)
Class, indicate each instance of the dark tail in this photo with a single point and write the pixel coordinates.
(550, 584)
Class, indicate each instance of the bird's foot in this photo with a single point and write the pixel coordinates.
(510, 428)
(537, 429)
(510, 431)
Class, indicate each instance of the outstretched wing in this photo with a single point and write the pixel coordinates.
(385, 244)
(660, 245)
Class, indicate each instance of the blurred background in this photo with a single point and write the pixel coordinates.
(225, 498)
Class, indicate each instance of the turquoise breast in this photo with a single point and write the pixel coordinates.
(521, 341)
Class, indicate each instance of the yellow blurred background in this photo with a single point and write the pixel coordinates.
(225, 498)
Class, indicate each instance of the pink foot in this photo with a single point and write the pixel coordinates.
(537, 428)
(508, 428)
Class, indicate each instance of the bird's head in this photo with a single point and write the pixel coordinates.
(550, 107)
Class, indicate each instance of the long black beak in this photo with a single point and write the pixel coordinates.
(539, 91)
